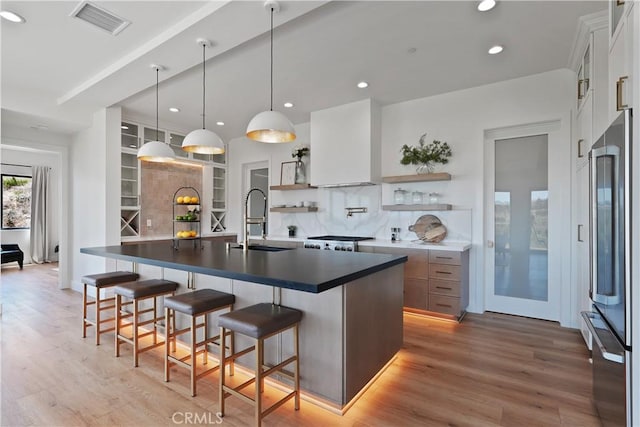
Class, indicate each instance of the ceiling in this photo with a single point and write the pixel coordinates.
(57, 70)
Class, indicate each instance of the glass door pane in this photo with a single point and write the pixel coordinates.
(521, 218)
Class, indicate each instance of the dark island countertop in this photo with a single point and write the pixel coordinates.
(299, 269)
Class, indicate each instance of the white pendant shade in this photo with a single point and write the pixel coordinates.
(156, 151)
(271, 127)
(203, 141)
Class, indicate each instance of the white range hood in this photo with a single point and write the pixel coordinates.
(345, 145)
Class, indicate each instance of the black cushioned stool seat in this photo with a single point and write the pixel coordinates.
(101, 281)
(260, 322)
(137, 292)
(194, 304)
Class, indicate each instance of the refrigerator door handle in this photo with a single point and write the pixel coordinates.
(617, 357)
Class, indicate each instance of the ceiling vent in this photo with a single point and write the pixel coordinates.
(99, 17)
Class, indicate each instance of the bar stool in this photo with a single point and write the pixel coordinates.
(260, 322)
(194, 304)
(140, 291)
(101, 281)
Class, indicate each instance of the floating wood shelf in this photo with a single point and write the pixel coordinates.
(291, 187)
(438, 207)
(441, 176)
(294, 210)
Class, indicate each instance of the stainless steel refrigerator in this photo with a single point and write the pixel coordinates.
(610, 260)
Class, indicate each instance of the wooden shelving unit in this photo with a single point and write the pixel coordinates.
(291, 187)
(441, 176)
(438, 207)
(294, 210)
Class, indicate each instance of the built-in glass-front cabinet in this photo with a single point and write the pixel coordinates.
(133, 136)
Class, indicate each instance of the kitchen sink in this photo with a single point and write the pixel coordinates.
(262, 248)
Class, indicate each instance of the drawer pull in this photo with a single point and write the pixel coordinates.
(443, 272)
(443, 305)
(619, 2)
(442, 287)
(443, 257)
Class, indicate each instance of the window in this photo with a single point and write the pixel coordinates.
(16, 201)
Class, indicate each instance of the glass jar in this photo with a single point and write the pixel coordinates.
(416, 197)
(398, 196)
(434, 198)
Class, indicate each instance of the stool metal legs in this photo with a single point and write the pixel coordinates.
(260, 374)
(135, 323)
(172, 333)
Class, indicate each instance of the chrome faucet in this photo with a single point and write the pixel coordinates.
(253, 220)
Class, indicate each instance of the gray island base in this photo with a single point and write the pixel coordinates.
(352, 304)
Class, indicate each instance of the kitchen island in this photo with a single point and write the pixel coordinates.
(352, 304)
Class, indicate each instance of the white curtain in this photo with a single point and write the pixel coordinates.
(40, 215)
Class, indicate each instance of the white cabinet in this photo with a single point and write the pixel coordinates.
(621, 58)
(345, 144)
(582, 247)
(129, 180)
(584, 140)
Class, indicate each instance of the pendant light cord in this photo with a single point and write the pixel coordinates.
(271, 108)
(204, 68)
(157, 83)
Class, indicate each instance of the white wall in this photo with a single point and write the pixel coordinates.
(38, 147)
(460, 118)
(95, 201)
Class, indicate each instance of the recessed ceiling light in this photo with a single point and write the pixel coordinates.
(288, 105)
(11, 16)
(486, 5)
(362, 85)
(124, 127)
(174, 110)
(495, 50)
(220, 123)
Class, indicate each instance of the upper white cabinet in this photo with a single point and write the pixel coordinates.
(345, 144)
(621, 57)
(590, 61)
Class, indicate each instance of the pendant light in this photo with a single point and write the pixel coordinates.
(156, 151)
(203, 141)
(271, 126)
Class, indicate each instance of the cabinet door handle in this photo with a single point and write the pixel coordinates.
(580, 233)
(619, 105)
(619, 2)
(580, 96)
(580, 153)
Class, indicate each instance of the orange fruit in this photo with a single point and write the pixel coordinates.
(179, 200)
(194, 199)
(193, 233)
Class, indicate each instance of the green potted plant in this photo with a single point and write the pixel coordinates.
(425, 155)
(292, 230)
(298, 152)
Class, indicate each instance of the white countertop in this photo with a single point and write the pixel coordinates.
(382, 243)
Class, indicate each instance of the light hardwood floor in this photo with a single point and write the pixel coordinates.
(489, 370)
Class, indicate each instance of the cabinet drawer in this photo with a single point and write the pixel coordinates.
(445, 305)
(416, 293)
(444, 257)
(444, 271)
(444, 287)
